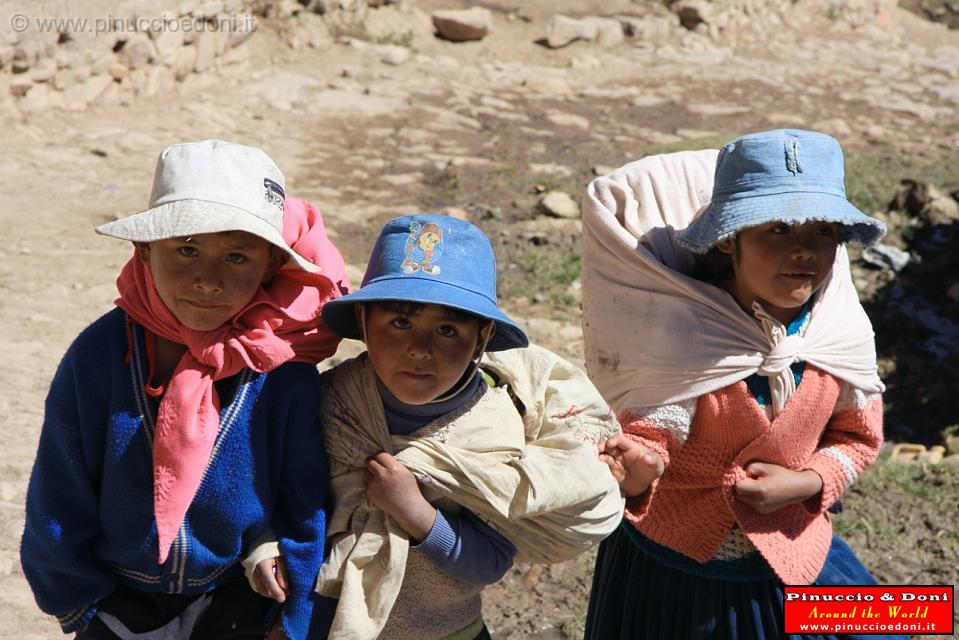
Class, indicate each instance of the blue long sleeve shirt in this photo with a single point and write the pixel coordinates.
(89, 521)
(459, 544)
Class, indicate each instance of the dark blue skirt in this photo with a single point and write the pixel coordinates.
(645, 590)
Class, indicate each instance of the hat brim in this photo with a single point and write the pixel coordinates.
(725, 218)
(340, 317)
(192, 217)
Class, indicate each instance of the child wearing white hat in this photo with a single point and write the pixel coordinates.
(180, 425)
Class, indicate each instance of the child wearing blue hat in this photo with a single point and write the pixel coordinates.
(745, 382)
(456, 448)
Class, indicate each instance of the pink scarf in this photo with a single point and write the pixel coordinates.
(281, 323)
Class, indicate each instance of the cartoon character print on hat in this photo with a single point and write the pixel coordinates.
(423, 246)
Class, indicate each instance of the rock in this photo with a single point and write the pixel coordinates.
(550, 169)
(585, 62)
(691, 13)
(38, 99)
(44, 70)
(463, 25)
(62, 79)
(317, 33)
(563, 30)
(137, 80)
(167, 43)
(64, 59)
(209, 45)
(102, 64)
(208, 9)
(709, 109)
(648, 27)
(6, 56)
(159, 80)
(80, 73)
(924, 201)
(559, 205)
(609, 32)
(402, 179)
(20, 85)
(22, 60)
(80, 95)
(137, 52)
(885, 256)
(548, 84)
(393, 54)
(239, 55)
(561, 119)
(118, 71)
(8, 491)
(116, 93)
(184, 61)
(951, 440)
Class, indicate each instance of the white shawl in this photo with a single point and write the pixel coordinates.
(655, 336)
(535, 478)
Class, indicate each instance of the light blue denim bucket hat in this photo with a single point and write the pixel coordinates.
(785, 175)
(430, 259)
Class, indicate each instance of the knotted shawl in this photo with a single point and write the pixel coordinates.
(655, 336)
(535, 478)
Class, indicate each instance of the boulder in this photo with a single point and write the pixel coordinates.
(563, 30)
(926, 202)
(609, 31)
(559, 205)
(463, 25)
(80, 95)
(138, 52)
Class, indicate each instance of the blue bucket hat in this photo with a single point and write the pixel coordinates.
(430, 259)
(786, 175)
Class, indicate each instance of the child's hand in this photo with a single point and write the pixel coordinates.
(271, 579)
(391, 487)
(770, 487)
(634, 466)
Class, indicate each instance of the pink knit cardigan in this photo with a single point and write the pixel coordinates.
(692, 507)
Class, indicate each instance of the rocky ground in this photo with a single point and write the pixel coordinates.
(370, 115)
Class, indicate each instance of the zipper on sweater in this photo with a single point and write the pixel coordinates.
(228, 418)
(176, 578)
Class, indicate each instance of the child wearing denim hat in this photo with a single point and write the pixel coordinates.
(745, 379)
(456, 448)
(180, 425)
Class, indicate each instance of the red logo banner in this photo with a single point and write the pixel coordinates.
(885, 610)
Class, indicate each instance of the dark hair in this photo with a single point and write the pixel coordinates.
(714, 266)
(408, 307)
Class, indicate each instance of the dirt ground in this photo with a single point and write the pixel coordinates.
(487, 127)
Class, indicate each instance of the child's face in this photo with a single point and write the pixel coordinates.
(206, 279)
(781, 266)
(419, 355)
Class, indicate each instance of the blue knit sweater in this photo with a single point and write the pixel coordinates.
(89, 521)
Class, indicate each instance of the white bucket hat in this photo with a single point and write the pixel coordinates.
(209, 187)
